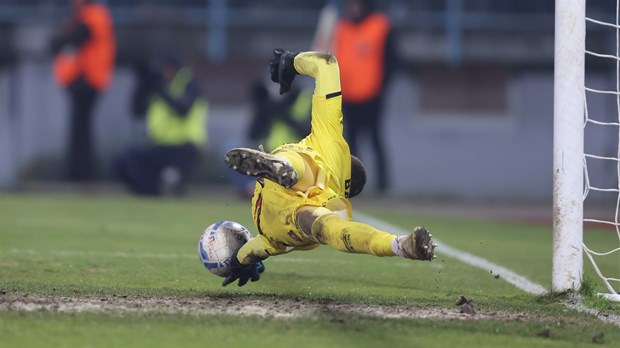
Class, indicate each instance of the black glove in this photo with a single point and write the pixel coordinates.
(244, 272)
(282, 69)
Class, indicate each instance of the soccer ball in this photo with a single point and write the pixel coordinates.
(219, 243)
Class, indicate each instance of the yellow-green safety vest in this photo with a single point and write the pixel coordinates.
(167, 127)
(282, 133)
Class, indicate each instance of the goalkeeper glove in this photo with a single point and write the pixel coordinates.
(243, 272)
(282, 69)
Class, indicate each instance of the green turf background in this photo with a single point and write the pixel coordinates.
(121, 245)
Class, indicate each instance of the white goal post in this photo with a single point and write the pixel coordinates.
(570, 162)
(568, 118)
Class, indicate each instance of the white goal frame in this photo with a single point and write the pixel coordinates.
(569, 160)
(568, 118)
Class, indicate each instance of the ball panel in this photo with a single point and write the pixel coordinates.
(218, 243)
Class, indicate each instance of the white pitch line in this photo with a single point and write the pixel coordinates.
(511, 277)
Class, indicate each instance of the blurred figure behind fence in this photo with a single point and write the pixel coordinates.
(276, 120)
(84, 49)
(280, 119)
(168, 96)
(364, 45)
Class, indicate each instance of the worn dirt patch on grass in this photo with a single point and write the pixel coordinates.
(276, 308)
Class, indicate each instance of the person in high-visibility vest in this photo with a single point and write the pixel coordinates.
(277, 121)
(364, 44)
(176, 117)
(84, 50)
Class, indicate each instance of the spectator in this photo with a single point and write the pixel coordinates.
(168, 96)
(84, 50)
(364, 46)
(280, 120)
(276, 120)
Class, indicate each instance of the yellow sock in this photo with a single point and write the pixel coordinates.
(352, 237)
(323, 67)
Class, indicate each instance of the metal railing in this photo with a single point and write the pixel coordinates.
(453, 19)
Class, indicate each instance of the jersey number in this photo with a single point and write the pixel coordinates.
(347, 188)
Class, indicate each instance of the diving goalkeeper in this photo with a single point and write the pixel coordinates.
(301, 195)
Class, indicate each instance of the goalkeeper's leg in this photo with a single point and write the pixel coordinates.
(355, 237)
(288, 168)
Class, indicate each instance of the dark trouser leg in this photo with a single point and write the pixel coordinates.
(140, 168)
(374, 128)
(366, 117)
(352, 125)
(80, 151)
(136, 169)
(183, 158)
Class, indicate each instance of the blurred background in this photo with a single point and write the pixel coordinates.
(467, 114)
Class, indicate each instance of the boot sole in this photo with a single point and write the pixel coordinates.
(260, 164)
(424, 244)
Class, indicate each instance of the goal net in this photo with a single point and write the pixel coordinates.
(586, 161)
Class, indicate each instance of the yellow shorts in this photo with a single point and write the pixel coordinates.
(274, 211)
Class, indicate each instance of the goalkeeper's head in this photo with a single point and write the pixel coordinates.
(358, 176)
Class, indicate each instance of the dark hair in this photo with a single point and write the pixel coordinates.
(358, 176)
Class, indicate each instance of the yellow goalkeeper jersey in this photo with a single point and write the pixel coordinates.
(274, 208)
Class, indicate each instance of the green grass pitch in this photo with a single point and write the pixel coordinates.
(77, 247)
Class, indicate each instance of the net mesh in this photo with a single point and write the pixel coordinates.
(602, 154)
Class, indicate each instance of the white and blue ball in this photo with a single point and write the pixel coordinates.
(219, 243)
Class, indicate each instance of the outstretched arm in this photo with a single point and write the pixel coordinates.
(327, 121)
(247, 263)
(323, 67)
(256, 249)
(326, 101)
